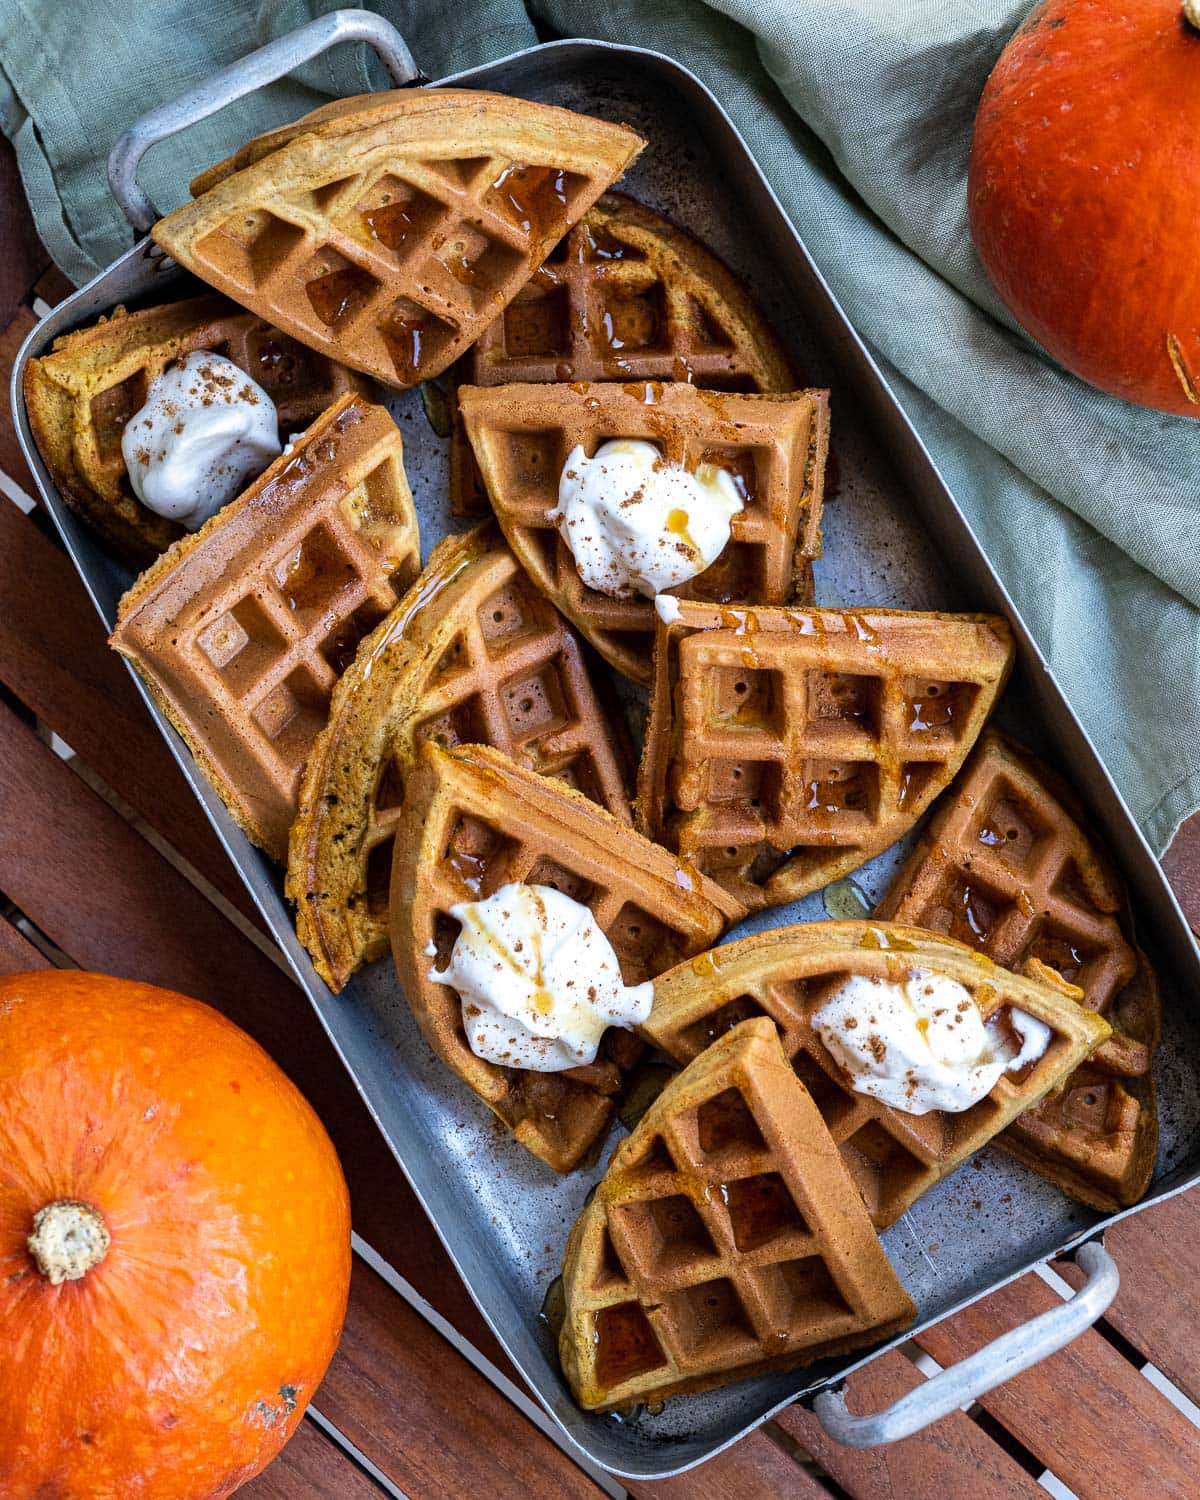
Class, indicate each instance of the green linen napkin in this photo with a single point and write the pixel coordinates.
(859, 112)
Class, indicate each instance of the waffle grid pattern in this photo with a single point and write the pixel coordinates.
(1015, 877)
(712, 1248)
(474, 654)
(372, 241)
(261, 637)
(625, 296)
(82, 395)
(473, 822)
(893, 1157)
(800, 744)
(774, 445)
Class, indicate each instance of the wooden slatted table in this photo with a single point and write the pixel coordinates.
(107, 862)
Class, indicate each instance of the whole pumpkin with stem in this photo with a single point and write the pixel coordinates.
(174, 1245)
(1084, 192)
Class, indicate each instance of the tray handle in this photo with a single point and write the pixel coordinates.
(960, 1384)
(262, 66)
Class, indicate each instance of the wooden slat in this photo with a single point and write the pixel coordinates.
(312, 1467)
(10, 454)
(24, 258)
(17, 953)
(953, 1457)
(1086, 1412)
(1181, 866)
(432, 1424)
(754, 1469)
(52, 286)
(54, 657)
(1158, 1306)
(97, 889)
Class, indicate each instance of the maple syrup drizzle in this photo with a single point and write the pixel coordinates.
(759, 1209)
(532, 197)
(336, 294)
(625, 1345)
(391, 224)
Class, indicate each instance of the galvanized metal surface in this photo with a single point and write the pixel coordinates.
(893, 536)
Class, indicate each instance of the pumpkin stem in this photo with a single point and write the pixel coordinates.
(68, 1239)
(1191, 9)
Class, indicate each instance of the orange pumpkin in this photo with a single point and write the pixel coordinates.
(1084, 192)
(174, 1245)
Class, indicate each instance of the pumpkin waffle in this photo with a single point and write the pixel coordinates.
(240, 631)
(626, 296)
(787, 747)
(788, 972)
(80, 396)
(473, 821)
(388, 232)
(726, 1239)
(774, 445)
(1005, 867)
(473, 653)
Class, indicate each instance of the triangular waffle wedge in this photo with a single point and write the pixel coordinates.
(473, 821)
(775, 445)
(787, 747)
(389, 232)
(1005, 867)
(241, 631)
(473, 653)
(788, 972)
(626, 296)
(726, 1239)
(80, 396)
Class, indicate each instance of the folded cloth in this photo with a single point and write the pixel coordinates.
(859, 112)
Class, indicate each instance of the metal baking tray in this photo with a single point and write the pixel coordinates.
(893, 536)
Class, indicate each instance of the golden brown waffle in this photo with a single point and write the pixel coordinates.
(1005, 867)
(787, 747)
(626, 296)
(473, 821)
(474, 653)
(389, 232)
(726, 1239)
(80, 396)
(788, 972)
(241, 630)
(775, 446)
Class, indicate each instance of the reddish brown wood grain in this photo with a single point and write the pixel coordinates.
(754, 1469)
(431, 1422)
(1181, 865)
(312, 1467)
(10, 454)
(1158, 1306)
(57, 661)
(24, 257)
(954, 1457)
(17, 953)
(1086, 1412)
(113, 904)
(110, 901)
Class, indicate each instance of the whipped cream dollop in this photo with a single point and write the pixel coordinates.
(922, 1044)
(636, 524)
(206, 428)
(538, 980)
